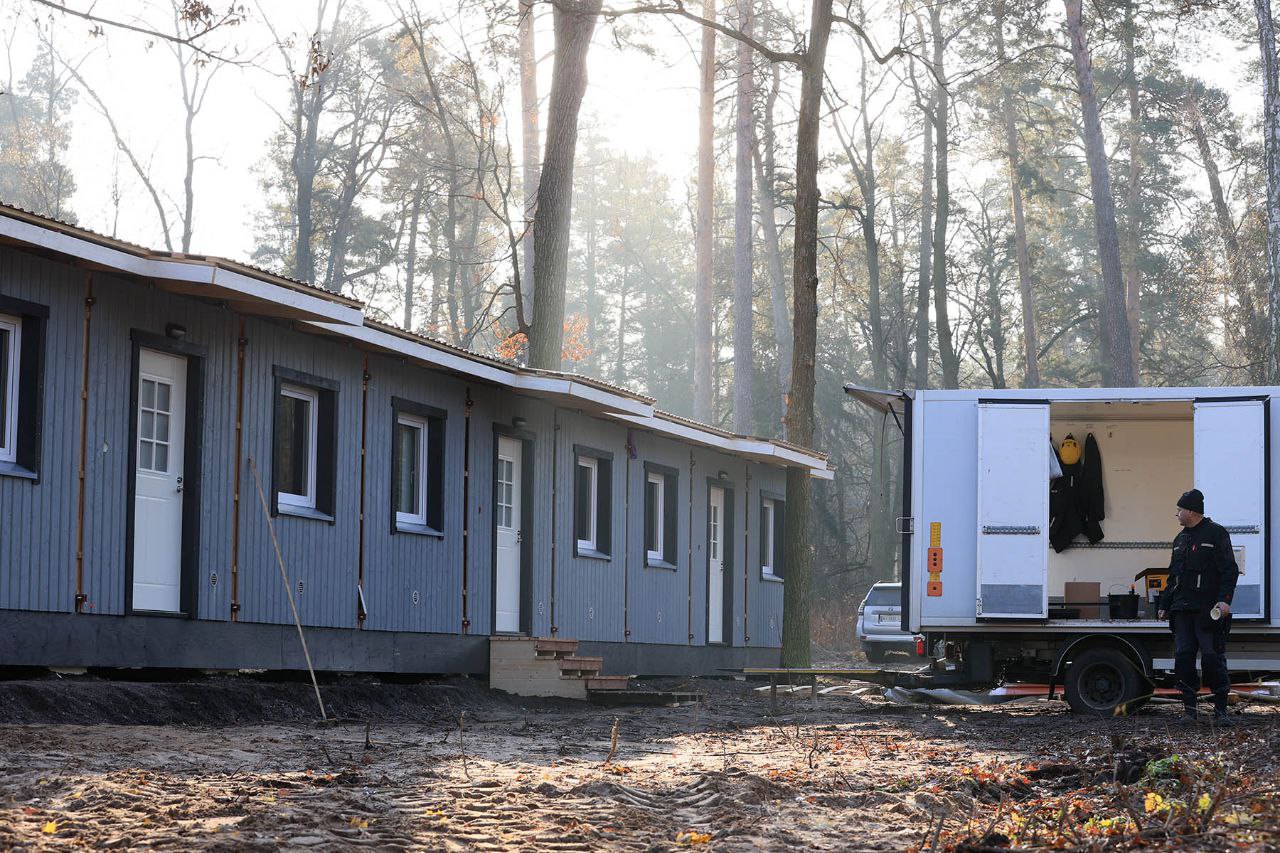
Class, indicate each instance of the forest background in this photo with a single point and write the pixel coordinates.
(394, 150)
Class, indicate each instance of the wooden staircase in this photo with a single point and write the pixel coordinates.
(545, 666)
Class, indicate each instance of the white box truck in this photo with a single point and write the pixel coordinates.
(996, 603)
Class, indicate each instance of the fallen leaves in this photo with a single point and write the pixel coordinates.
(50, 827)
(692, 838)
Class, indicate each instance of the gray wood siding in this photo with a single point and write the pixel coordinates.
(658, 606)
(122, 306)
(493, 406)
(588, 592)
(323, 556)
(764, 597)
(396, 565)
(38, 520)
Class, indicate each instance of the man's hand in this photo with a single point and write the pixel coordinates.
(1161, 614)
(1224, 608)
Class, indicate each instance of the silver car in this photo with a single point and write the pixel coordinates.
(880, 623)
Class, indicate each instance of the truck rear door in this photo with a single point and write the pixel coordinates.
(1231, 469)
(1013, 509)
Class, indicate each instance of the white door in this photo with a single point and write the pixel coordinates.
(507, 519)
(1013, 510)
(158, 427)
(715, 567)
(1230, 468)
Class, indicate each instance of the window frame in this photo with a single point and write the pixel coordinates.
(431, 423)
(307, 500)
(768, 510)
(324, 485)
(12, 378)
(654, 478)
(591, 543)
(773, 506)
(24, 400)
(600, 503)
(420, 424)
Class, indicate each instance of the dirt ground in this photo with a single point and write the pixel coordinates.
(245, 767)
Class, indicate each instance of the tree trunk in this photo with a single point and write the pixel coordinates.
(743, 354)
(529, 133)
(1133, 276)
(867, 184)
(926, 251)
(574, 24)
(773, 251)
(1118, 366)
(704, 273)
(411, 261)
(1242, 329)
(1030, 342)
(1271, 142)
(941, 109)
(797, 552)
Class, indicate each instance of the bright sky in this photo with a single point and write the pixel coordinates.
(640, 104)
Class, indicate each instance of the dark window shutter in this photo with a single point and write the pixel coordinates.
(30, 393)
(650, 511)
(779, 541)
(279, 466)
(581, 509)
(604, 505)
(435, 473)
(762, 538)
(670, 524)
(395, 465)
(327, 453)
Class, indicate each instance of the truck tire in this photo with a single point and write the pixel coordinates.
(1101, 679)
(874, 655)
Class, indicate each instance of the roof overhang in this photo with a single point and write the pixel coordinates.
(200, 277)
(885, 402)
(560, 390)
(756, 449)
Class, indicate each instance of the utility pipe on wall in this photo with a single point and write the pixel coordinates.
(82, 599)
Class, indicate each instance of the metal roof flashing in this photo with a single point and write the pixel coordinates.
(255, 291)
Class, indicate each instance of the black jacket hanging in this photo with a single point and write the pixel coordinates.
(1064, 506)
(1091, 496)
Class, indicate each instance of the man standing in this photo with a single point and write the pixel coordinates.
(1197, 600)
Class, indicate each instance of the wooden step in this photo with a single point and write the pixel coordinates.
(608, 682)
(577, 664)
(552, 647)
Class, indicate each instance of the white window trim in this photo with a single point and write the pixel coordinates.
(419, 516)
(766, 569)
(659, 517)
(300, 392)
(593, 464)
(9, 429)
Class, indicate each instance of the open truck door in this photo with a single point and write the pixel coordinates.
(1231, 469)
(1013, 510)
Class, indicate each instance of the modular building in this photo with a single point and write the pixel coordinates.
(185, 441)
(1012, 591)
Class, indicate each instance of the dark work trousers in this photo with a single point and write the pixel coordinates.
(1194, 631)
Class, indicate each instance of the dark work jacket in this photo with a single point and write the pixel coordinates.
(1091, 495)
(1203, 569)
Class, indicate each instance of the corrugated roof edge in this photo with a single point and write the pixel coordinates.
(81, 233)
(51, 224)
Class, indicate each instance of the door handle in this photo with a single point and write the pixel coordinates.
(519, 536)
(179, 484)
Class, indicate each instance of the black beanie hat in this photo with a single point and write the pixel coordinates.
(1192, 500)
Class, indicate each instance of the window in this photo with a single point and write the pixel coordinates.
(21, 386)
(592, 502)
(584, 515)
(772, 511)
(417, 468)
(296, 427)
(304, 451)
(660, 519)
(10, 347)
(409, 475)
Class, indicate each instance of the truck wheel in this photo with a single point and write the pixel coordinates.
(1101, 679)
(874, 655)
